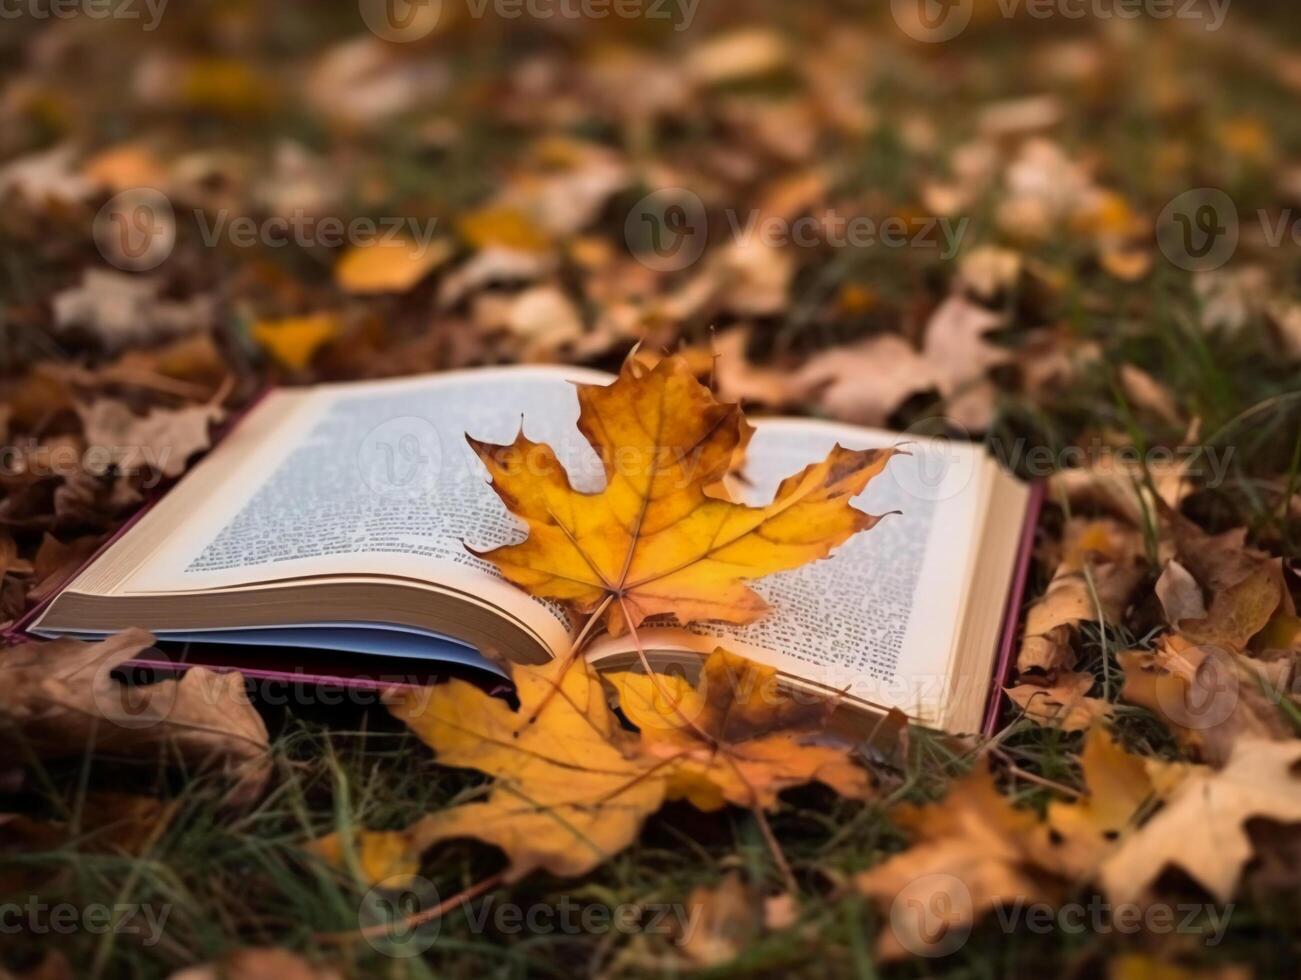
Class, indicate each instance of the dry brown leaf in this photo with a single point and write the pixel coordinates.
(1117, 485)
(119, 309)
(959, 355)
(1149, 394)
(653, 541)
(56, 560)
(1245, 586)
(736, 736)
(1101, 566)
(868, 381)
(1209, 697)
(738, 379)
(163, 440)
(1201, 828)
(1062, 704)
(59, 696)
(970, 851)
(1179, 593)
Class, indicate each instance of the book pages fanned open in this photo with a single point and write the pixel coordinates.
(336, 518)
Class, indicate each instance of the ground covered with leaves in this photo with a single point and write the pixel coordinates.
(1073, 239)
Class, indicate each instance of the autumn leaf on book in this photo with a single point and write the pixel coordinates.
(659, 537)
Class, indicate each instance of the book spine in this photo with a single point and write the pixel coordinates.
(1011, 629)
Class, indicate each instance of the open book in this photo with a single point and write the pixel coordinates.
(336, 518)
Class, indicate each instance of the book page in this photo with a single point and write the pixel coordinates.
(877, 619)
(378, 479)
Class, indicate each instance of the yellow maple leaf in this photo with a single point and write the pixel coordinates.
(737, 736)
(654, 540)
(570, 789)
(1080, 833)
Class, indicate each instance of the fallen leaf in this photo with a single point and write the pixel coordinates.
(724, 920)
(293, 341)
(1209, 697)
(1078, 835)
(59, 696)
(569, 790)
(1201, 828)
(1119, 486)
(652, 541)
(738, 379)
(120, 310)
(738, 54)
(1149, 394)
(1245, 586)
(389, 264)
(868, 381)
(1062, 704)
(1179, 593)
(1102, 565)
(970, 852)
(164, 440)
(737, 736)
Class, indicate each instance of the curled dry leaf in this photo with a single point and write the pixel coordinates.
(1245, 586)
(1208, 696)
(1179, 593)
(1102, 564)
(569, 790)
(737, 736)
(60, 698)
(1202, 827)
(653, 540)
(1063, 704)
(971, 851)
(1120, 488)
